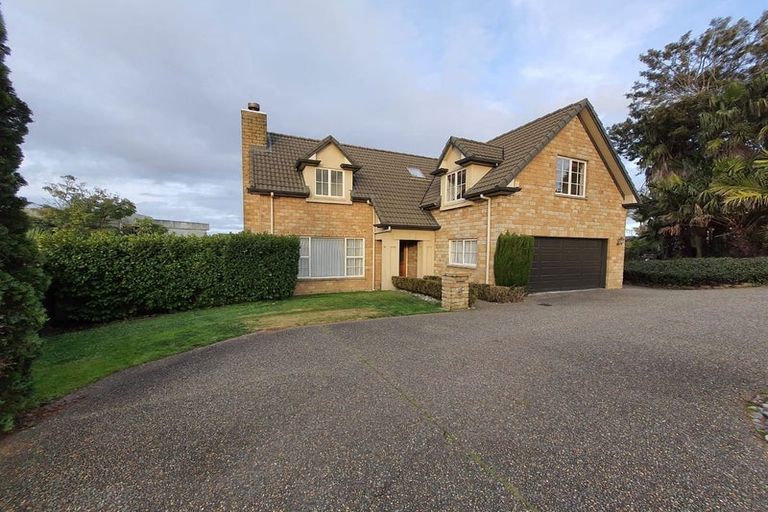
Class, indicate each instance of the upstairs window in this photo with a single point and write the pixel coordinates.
(329, 182)
(457, 185)
(569, 180)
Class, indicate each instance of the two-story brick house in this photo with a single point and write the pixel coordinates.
(365, 215)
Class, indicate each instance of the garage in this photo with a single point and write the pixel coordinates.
(567, 264)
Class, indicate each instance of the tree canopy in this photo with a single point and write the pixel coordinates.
(697, 128)
(75, 207)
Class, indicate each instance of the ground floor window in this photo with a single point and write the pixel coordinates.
(331, 257)
(462, 252)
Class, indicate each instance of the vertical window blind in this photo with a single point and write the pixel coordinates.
(331, 257)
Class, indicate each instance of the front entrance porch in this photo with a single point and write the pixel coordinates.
(404, 252)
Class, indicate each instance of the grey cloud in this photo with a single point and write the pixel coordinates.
(143, 97)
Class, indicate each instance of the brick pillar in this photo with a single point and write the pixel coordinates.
(455, 291)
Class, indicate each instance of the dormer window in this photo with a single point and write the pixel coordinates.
(329, 182)
(457, 185)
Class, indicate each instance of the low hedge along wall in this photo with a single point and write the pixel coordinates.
(697, 271)
(433, 287)
(105, 276)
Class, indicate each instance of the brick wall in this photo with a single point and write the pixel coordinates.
(297, 216)
(536, 210)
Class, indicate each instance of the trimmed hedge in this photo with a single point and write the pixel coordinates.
(433, 287)
(513, 259)
(697, 271)
(106, 276)
(490, 293)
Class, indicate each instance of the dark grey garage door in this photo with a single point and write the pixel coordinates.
(567, 264)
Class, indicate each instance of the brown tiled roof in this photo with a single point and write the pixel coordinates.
(521, 145)
(383, 177)
(473, 149)
(431, 197)
(399, 198)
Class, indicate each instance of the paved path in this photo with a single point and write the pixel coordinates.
(605, 400)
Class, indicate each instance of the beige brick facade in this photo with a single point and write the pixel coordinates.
(297, 216)
(536, 210)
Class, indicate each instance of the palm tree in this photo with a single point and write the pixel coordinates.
(741, 184)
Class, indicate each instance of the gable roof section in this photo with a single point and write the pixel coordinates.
(522, 144)
(473, 151)
(479, 151)
(382, 177)
(322, 144)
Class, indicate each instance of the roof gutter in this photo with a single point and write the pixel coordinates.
(478, 160)
(494, 191)
(407, 226)
(277, 193)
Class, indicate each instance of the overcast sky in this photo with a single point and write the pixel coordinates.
(142, 97)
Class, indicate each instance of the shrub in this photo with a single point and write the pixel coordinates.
(21, 280)
(697, 271)
(513, 259)
(490, 293)
(106, 276)
(431, 287)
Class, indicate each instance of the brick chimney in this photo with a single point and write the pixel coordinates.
(253, 132)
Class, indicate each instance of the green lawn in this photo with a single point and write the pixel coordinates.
(74, 359)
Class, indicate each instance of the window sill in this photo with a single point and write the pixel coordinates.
(328, 200)
(569, 196)
(456, 265)
(456, 204)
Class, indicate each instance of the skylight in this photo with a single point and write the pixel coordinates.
(415, 172)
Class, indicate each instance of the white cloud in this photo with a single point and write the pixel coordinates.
(142, 97)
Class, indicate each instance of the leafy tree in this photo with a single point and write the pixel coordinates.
(22, 283)
(701, 102)
(742, 185)
(75, 207)
(144, 226)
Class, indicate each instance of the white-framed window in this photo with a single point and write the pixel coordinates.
(457, 185)
(570, 177)
(331, 257)
(462, 252)
(329, 182)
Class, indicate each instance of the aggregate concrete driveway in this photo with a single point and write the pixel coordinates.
(606, 400)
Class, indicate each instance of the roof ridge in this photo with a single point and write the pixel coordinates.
(387, 151)
(355, 145)
(477, 141)
(580, 103)
(294, 136)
